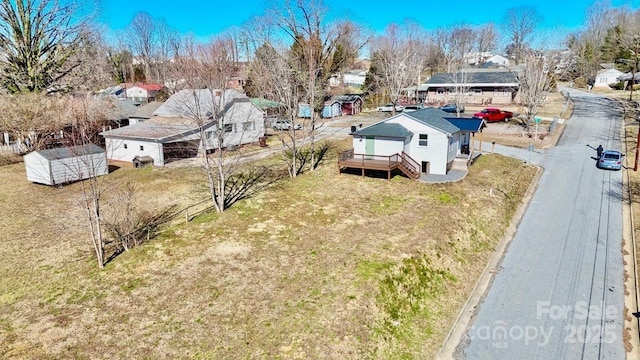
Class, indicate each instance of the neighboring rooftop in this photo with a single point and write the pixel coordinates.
(146, 111)
(69, 152)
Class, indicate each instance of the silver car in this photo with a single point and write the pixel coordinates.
(610, 159)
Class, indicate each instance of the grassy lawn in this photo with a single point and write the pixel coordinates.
(321, 266)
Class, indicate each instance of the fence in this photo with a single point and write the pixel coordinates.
(191, 211)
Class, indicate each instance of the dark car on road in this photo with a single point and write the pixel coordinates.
(451, 108)
(610, 159)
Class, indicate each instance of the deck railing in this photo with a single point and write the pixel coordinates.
(349, 155)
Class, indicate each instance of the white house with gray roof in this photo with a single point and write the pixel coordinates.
(174, 130)
(424, 135)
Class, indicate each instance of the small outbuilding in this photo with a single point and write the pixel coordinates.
(63, 165)
(142, 161)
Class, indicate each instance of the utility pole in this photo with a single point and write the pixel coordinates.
(635, 163)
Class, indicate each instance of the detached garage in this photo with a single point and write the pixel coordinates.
(62, 165)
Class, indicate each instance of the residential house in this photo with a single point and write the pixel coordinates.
(479, 86)
(497, 60)
(420, 142)
(122, 110)
(67, 164)
(476, 57)
(174, 130)
(350, 104)
(143, 92)
(354, 78)
(144, 112)
(606, 78)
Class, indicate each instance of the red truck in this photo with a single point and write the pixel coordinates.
(493, 115)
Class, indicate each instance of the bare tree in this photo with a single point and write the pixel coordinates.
(313, 45)
(37, 39)
(86, 115)
(535, 81)
(519, 25)
(486, 40)
(397, 57)
(34, 120)
(130, 220)
(208, 106)
(456, 45)
(142, 33)
(168, 48)
(272, 77)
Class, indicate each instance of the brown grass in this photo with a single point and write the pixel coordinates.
(309, 268)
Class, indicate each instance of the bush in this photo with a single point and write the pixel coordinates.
(619, 85)
(580, 82)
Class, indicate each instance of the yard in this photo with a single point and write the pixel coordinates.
(321, 266)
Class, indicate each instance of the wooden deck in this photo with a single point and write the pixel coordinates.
(401, 161)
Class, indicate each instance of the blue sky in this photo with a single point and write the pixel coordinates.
(209, 17)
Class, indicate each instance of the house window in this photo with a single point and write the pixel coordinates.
(440, 91)
(141, 148)
(228, 128)
(247, 126)
(500, 92)
(209, 134)
(423, 139)
(475, 91)
(125, 146)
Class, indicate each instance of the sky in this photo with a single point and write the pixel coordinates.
(204, 18)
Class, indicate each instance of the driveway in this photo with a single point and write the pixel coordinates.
(558, 292)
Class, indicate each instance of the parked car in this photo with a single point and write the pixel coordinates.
(410, 108)
(389, 108)
(493, 115)
(610, 159)
(282, 124)
(452, 108)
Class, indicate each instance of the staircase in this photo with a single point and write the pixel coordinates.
(408, 166)
(460, 164)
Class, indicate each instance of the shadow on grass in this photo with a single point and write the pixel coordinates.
(241, 186)
(304, 156)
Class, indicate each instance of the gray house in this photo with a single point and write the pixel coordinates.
(174, 129)
(63, 165)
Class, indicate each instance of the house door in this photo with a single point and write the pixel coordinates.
(425, 167)
(370, 146)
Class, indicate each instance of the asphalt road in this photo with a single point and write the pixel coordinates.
(558, 293)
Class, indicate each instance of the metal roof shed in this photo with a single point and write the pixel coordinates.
(63, 165)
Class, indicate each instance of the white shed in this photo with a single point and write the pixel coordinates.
(62, 165)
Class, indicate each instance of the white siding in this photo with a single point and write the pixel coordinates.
(359, 144)
(240, 115)
(136, 92)
(60, 171)
(388, 146)
(78, 168)
(116, 150)
(437, 150)
(38, 168)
